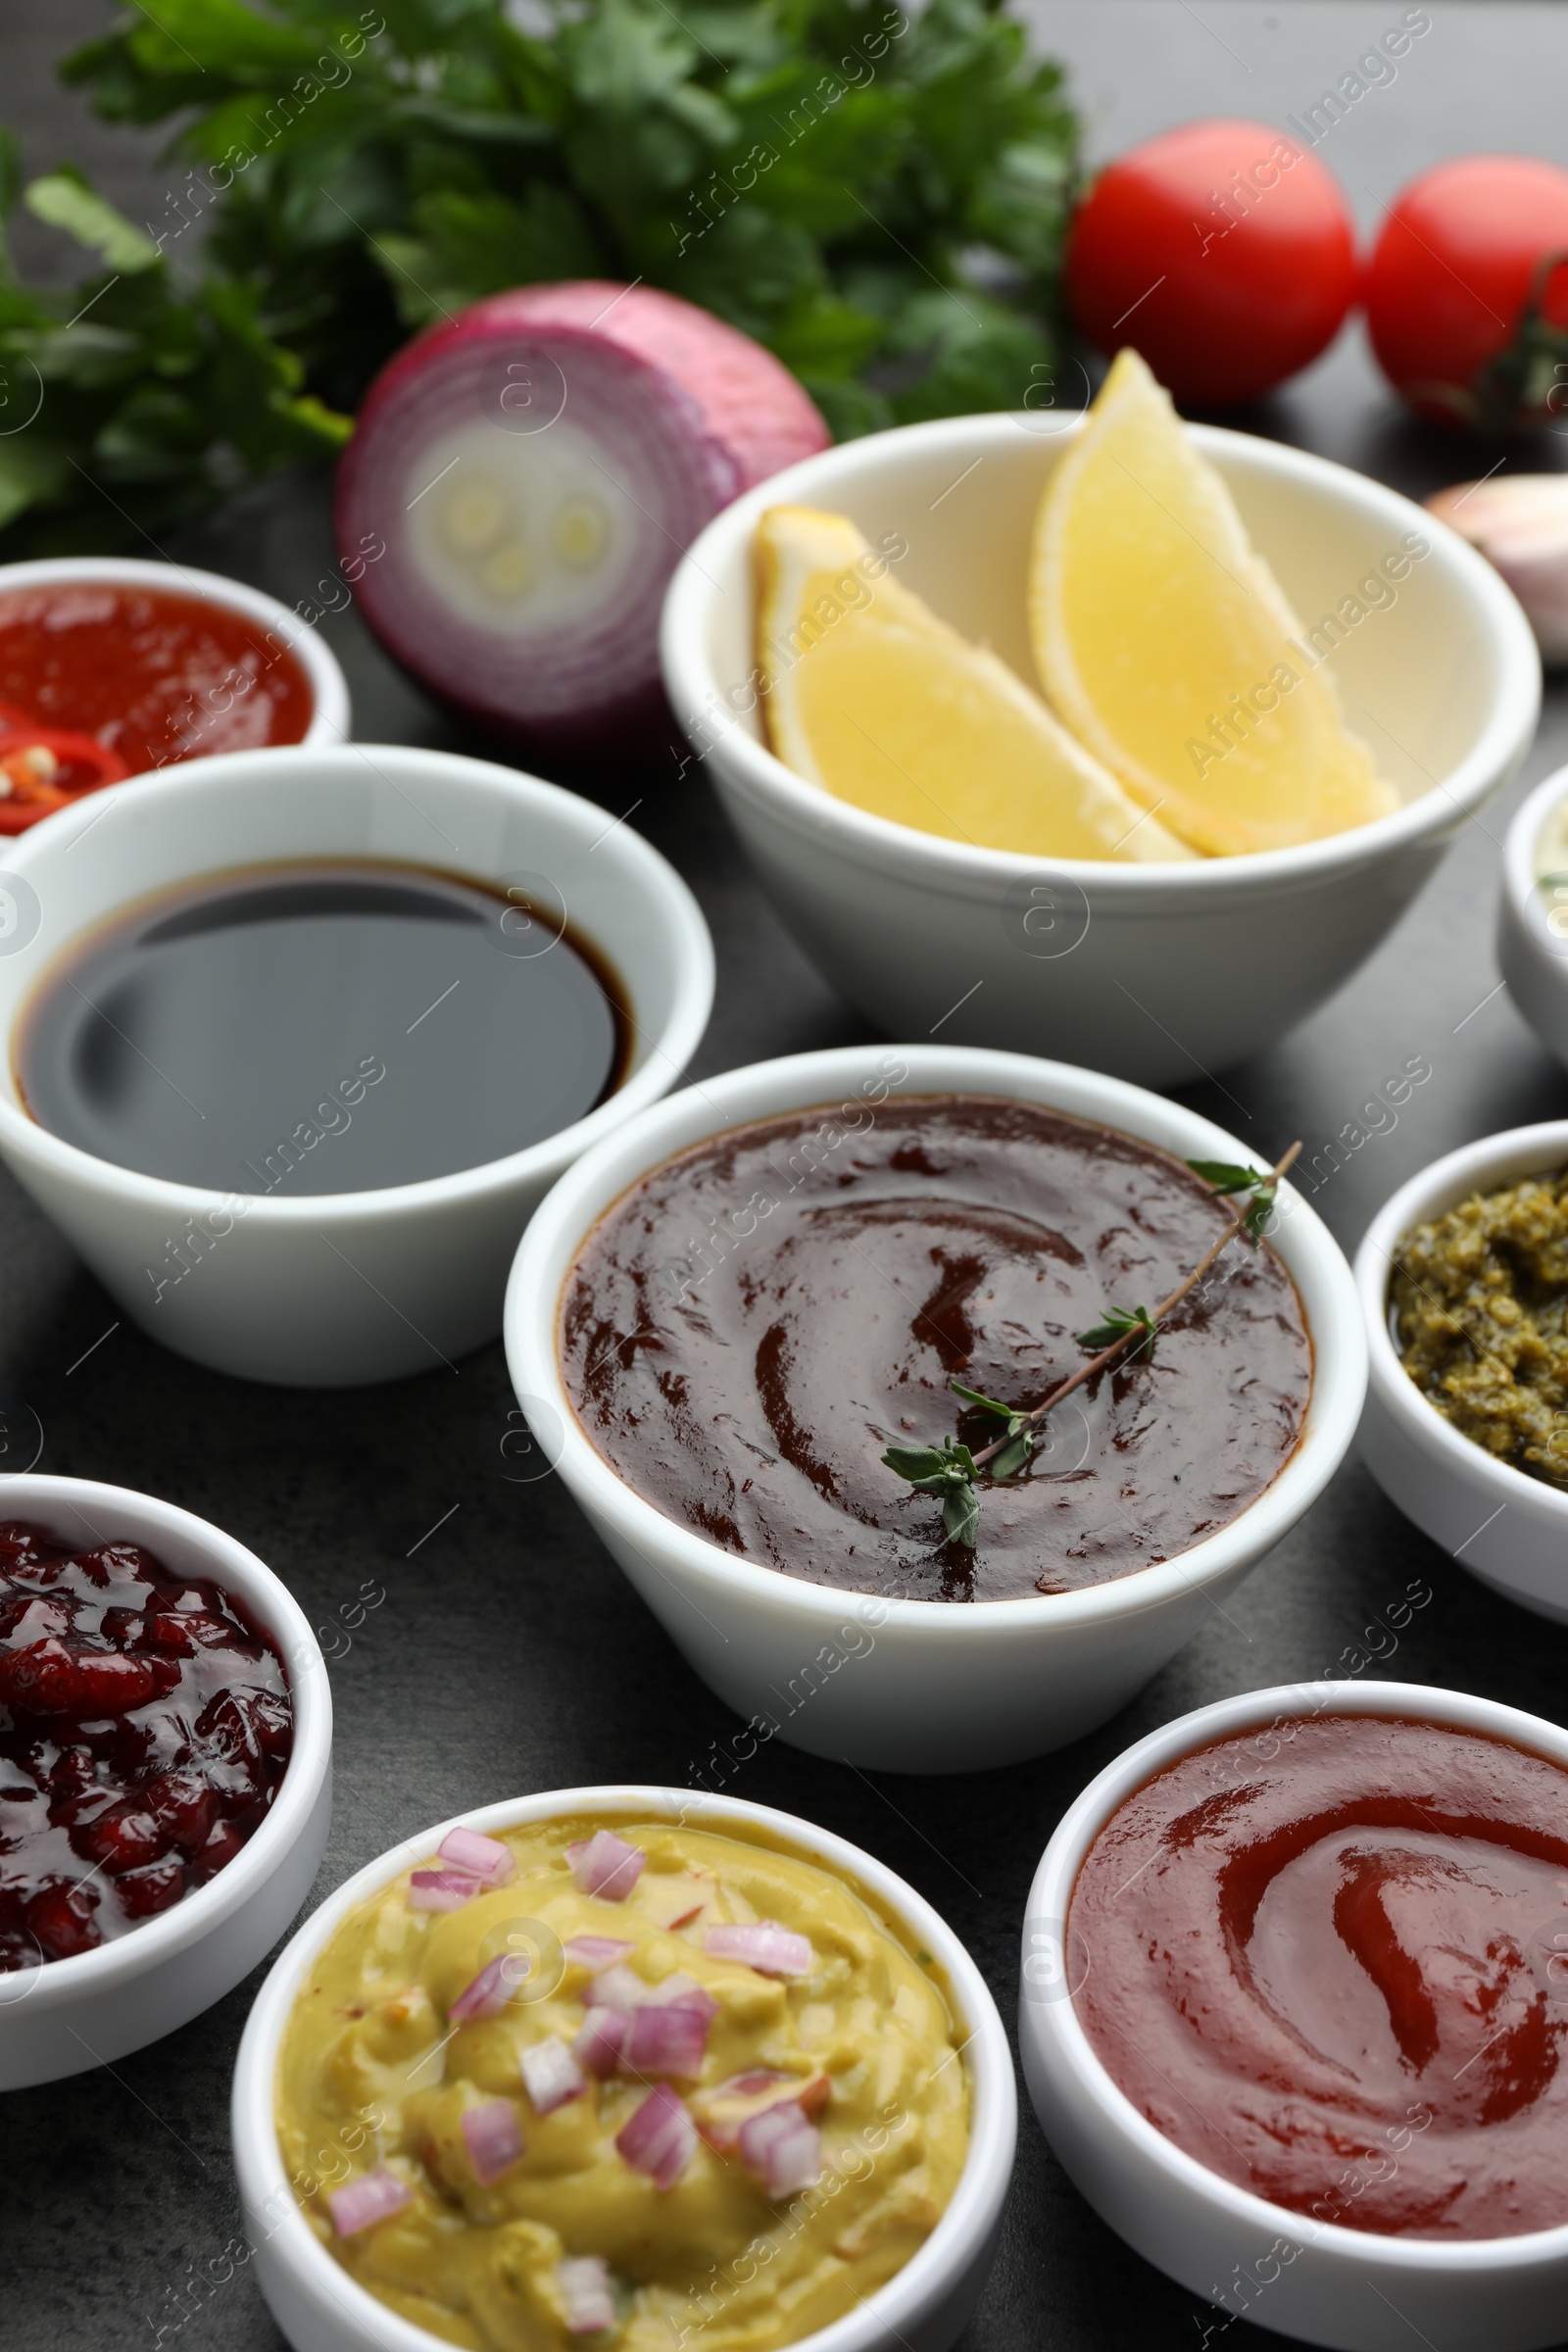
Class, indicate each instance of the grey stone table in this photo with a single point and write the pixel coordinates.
(509, 1654)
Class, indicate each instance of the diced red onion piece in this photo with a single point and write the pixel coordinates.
(682, 1992)
(668, 2041)
(606, 1865)
(617, 1987)
(483, 1858)
(782, 2148)
(584, 2284)
(660, 2138)
(441, 1890)
(522, 479)
(772, 1950)
(724, 2132)
(551, 2075)
(360, 2203)
(495, 2142)
(492, 1988)
(596, 1952)
(597, 2047)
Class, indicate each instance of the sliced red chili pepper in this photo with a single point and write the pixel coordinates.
(45, 768)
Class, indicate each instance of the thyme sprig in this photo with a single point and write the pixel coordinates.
(950, 1468)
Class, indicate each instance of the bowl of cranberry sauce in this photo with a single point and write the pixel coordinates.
(165, 1780)
(1294, 2011)
(113, 666)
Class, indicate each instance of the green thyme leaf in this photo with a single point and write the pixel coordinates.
(946, 1470)
(986, 1404)
(1257, 1217)
(1224, 1176)
(917, 1463)
(1119, 1325)
(960, 1515)
(1012, 1457)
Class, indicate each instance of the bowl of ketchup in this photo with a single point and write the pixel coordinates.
(1294, 2012)
(112, 666)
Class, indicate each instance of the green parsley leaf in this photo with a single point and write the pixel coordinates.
(877, 194)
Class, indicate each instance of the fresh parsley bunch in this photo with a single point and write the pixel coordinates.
(877, 194)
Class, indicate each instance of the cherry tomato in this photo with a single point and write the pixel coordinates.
(45, 768)
(1223, 250)
(1467, 292)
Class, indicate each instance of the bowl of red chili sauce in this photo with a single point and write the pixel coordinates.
(113, 667)
(1294, 2011)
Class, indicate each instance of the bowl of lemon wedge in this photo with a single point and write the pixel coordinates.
(1105, 737)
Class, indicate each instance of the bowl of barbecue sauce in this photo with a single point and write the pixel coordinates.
(111, 667)
(297, 1038)
(777, 1334)
(1294, 2005)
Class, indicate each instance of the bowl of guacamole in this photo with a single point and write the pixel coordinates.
(628, 2068)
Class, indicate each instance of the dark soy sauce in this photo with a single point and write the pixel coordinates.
(324, 1028)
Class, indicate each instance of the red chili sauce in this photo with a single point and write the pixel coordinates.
(153, 675)
(1330, 1960)
(145, 1726)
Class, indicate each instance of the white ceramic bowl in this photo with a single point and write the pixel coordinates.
(1533, 929)
(330, 718)
(64, 2016)
(320, 2308)
(336, 1288)
(1353, 2289)
(1508, 1528)
(915, 1686)
(1130, 969)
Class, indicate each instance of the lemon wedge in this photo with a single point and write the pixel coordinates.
(875, 699)
(1168, 645)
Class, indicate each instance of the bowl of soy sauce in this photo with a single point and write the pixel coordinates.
(297, 1038)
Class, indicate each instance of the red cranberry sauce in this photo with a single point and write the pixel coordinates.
(145, 1726)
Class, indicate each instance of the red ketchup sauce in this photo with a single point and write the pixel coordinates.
(1330, 1960)
(145, 1726)
(149, 675)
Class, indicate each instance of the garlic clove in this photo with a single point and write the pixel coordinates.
(1520, 524)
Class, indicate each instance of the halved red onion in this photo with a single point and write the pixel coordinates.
(617, 1987)
(597, 2046)
(596, 1951)
(671, 2040)
(494, 2138)
(782, 2148)
(441, 1890)
(523, 480)
(485, 1858)
(360, 2203)
(492, 1988)
(585, 2290)
(772, 1950)
(660, 2138)
(606, 1865)
(551, 2075)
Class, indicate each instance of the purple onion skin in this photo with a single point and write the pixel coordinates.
(742, 416)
